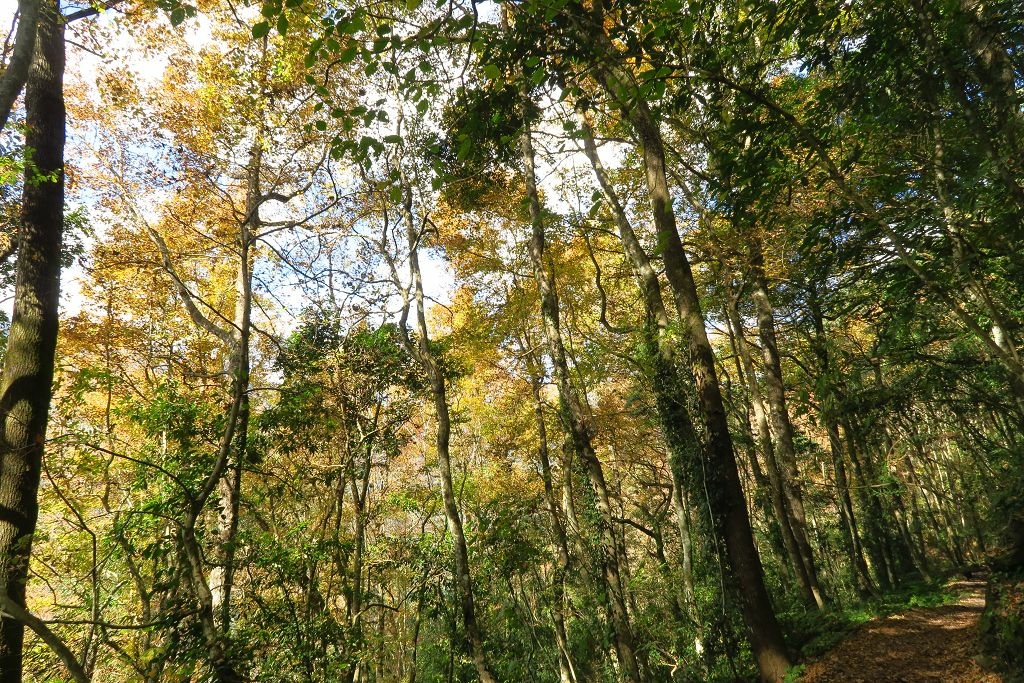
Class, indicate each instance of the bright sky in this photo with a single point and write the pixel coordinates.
(438, 279)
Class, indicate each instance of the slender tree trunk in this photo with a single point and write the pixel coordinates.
(578, 423)
(359, 484)
(764, 438)
(920, 562)
(728, 511)
(230, 486)
(867, 496)
(827, 398)
(726, 501)
(438, 386)
(566, 667)
(765, 498)
(28, 365)
(862, 575)
(917, 519)
(667, 384)
(13, 77)
(781, 424)
(927, 495)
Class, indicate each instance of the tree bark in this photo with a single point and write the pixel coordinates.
(12, 79)
(764, 438)
(230, 486)
(566, 666)
(685, 452)
(781, 424)
(438, 385)
(28, 365)
(728, 511)
(578, 422)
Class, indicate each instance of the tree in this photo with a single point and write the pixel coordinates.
(29, 359)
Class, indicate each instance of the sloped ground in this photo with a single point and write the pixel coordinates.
(924, 645)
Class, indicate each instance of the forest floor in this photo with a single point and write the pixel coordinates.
(920, 645)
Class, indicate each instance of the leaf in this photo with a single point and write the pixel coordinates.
(465, 145)
(492, 72)
(282, 24)
(354, 25)
(260, 30)
(412, 5)
(177, 16)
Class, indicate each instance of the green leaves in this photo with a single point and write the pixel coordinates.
(492, 72)
(178, 11)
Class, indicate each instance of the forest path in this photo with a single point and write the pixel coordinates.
(923, 645)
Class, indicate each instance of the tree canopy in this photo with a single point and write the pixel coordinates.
(546, 340)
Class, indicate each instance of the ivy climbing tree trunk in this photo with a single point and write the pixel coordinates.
(28, 364)
(667, 384)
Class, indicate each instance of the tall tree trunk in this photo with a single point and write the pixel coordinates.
(667, 384)
(781, 424)
(867, 495)
(13, 77)
(28, 364)
(566, 666)
(230, 486)
(765, 489)
(827, 398)
(764, 438)
(578, 422)
(438, 386)
(726, 501)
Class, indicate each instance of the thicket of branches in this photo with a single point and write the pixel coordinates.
(524, 341)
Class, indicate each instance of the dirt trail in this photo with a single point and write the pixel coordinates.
(924, 645)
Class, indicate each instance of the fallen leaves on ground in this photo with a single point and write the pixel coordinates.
(924, 645)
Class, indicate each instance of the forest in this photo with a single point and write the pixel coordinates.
(548, 341)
